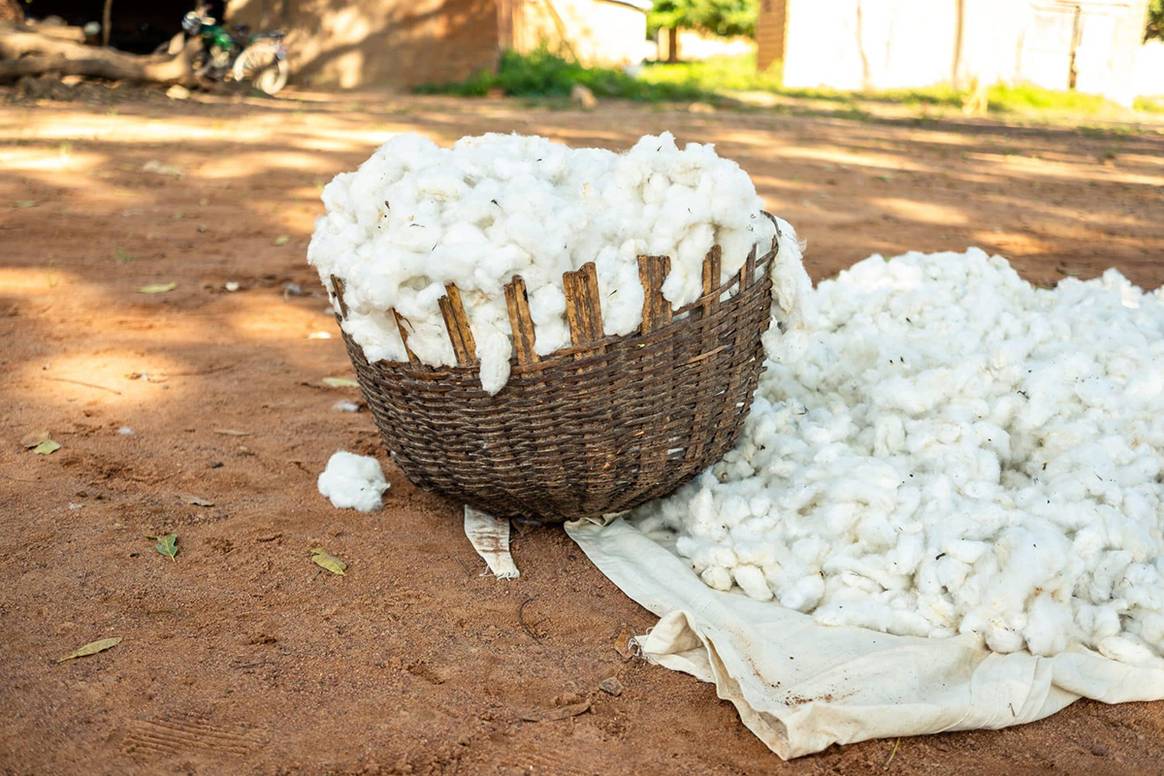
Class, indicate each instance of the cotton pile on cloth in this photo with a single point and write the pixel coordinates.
(944, 512)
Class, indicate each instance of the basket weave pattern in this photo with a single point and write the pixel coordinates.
(596, 428)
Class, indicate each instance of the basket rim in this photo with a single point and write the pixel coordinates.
(575, 356)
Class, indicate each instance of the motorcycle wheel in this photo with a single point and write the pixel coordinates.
(261, 65)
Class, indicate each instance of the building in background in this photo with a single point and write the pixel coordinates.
(1086, 45)
(409, 42)
(348, 43)
(595, 32)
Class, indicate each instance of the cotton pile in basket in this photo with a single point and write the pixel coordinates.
(416, 216)
(938, 447)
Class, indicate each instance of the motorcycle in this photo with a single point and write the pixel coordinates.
(234, 54)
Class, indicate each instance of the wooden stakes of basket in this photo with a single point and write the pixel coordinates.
(583, 308)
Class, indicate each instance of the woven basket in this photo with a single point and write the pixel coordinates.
(596, 428)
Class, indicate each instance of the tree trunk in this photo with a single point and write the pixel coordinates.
(673, 44)
(106, 22)
(25, 52)
(959, 34)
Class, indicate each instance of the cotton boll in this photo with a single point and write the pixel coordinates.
(352, 482)
(1004, 639)
(1050, 626)
(751, 581)
(428, 338)
(493, 346)
(621, 294)
(1141, 586)
(717, 577)
(379, 335)
(547, 307)
(1107, 570)
(751, 546)
(804, 594)
(1150, 626)
(792, 300)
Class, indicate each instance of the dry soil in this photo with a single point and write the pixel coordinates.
(242, 656)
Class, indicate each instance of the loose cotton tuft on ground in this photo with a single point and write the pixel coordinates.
(416, 216)
(938, 447)
(353, 481)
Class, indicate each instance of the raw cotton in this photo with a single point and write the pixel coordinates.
(938, 447)
(416, 216)
(353, 481)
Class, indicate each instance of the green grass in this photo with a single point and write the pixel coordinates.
(1149, 104)
(722, 74)
(1023, 98)
(718, 75)
(544, 75)
(715, 75)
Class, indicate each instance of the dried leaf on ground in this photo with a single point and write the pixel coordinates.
(92, 648)
(197, 501)
(158, 288)
(231, 432)
(47, 447)
(326, 560)
(562, 712)
(282, 240)
(340, 382)
(167, 545)
(624, 643)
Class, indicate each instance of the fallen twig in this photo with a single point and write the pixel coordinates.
(197, 372)
(521, 621)
(562, 712)
(87, 385)
(892, 754)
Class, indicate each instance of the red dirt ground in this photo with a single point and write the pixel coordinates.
(241, 655)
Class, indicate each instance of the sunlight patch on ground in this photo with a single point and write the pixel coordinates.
(1016, 166)
(854, 158)
(268, 318)
(256, 162)
(766, 183)
(111, 377)
(31, 282)
(1011, 243)
(922, 212)
(47, 159)
(126, 129)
